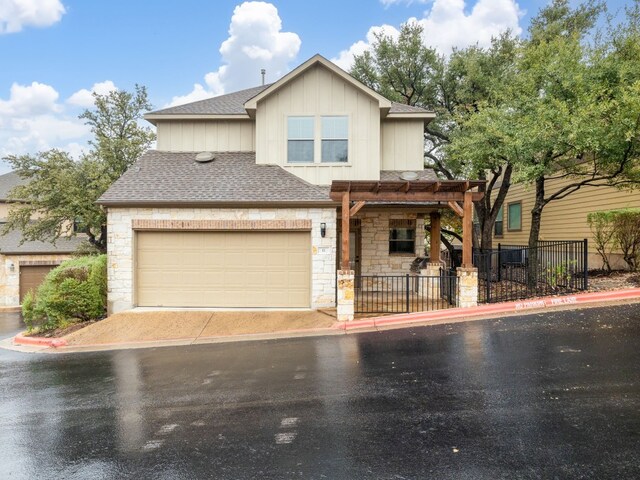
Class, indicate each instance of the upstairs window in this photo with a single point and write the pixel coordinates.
(300, 139)
(335, 143)
(318, 139)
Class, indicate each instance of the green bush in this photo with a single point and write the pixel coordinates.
(617, 229)
(77, 289)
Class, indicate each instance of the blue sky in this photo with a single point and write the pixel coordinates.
(53, 55)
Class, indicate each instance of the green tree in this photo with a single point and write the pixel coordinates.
(455, 88)
(61, 192)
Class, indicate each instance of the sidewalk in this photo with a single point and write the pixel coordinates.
(453, 315)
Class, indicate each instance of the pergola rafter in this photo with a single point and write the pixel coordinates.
(448, 192)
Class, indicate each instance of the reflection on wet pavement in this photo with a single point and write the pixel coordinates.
(538, 396)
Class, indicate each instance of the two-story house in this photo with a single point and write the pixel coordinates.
(237, 206)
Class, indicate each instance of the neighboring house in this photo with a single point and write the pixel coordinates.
(253, 223)
(564, 219)
(23, 266)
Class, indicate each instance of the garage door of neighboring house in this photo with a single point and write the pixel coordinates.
(223, 269)
(31, 276)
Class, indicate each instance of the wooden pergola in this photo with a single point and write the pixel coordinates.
(448, 192)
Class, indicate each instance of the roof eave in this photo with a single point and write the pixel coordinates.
(155, 117)
(213, 204)
(426, 116)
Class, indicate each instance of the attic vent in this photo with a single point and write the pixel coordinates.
(409, 176)
(204, 157)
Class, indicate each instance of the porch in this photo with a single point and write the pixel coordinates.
(380, 237)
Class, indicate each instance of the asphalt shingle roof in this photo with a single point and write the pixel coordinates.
(229, 104)
(232, 177)
(10, 244)
(233, 104)
(7, 182)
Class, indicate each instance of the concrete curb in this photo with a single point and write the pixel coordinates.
(491, 309)
(452, 315)
(39, 341)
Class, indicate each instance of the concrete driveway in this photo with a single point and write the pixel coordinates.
(554, 395)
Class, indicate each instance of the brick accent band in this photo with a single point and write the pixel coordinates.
(36, 263)
(143, 224)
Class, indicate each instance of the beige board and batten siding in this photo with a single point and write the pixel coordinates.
(402, 144)
(206, 135)
(566, 219)
(223, 269)
(319, 92)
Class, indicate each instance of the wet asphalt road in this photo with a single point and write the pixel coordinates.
(539, 396)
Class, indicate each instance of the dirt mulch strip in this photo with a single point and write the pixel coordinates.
(127, 327)
(604, 281)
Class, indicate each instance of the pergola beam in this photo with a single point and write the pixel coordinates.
(434, 255)
(445, 197)
(344, 258)
(356, 208)
(456, 208)
(467, 231)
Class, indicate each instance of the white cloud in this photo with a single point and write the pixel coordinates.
(255, 41)
(17, 14)
(32, 120)
(345, 57)
(84, 97)
(33, 99)
(446, 25)
(198, 93)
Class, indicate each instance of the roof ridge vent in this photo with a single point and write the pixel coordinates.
(205, 157)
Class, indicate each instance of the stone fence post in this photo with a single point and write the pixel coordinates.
(467, 286)
(346, 295)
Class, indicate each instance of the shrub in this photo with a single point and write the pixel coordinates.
(617, 229)
(601, 225)
(77, 289)
(626, 231)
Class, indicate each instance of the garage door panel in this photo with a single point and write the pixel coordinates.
(223, 269)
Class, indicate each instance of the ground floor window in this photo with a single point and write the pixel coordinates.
(499, 225)
(402, 236)
(514, 220)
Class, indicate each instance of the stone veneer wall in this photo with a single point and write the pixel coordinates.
(375, 258)
(120, 245)
(10, 281)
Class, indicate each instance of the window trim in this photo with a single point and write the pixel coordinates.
(407, 224)
(312, 139)
(501, 217)
(329, 139)
(509, 229)
(317, 140)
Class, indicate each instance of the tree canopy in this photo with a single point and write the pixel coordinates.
(59, 196)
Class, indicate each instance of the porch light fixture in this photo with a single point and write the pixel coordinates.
(12, 267)
(323, 229)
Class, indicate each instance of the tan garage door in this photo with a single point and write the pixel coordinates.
(223, 269)
(31, 276)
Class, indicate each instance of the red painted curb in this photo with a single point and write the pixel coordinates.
(39, 341)
(507, 307)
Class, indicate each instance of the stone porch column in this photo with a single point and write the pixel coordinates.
(431, 286)
(467, 286)
(346, 295)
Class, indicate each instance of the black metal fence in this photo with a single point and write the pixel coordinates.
(514, 272)
(405, 293)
